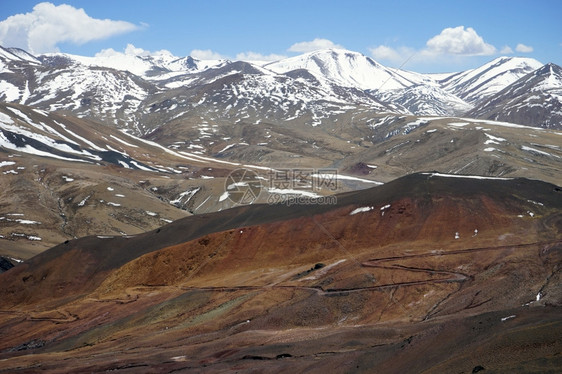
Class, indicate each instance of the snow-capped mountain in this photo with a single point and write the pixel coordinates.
(242, 92)
(94, 180)
(346, 69)
(36, 132)
(16, 54)
(535, 99)
(60, 82)
(118, 89)
(423, 99)
(481, 83)
(141, 92)
(157, 66)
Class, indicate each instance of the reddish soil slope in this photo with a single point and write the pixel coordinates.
(423, 274)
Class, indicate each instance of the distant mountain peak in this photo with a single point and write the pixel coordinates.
(343, 67)
(535, 99)
(116, 83)
(478, 84)
(17, 54)
(549, 68)
(518, 59)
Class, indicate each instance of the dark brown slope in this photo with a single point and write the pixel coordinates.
(96, 255)
(438, 262)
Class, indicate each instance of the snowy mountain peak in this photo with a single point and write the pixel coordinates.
(150, 66)
(535, 98)
(424, 99)
(23, 55)
(514, 66)
(550, 69)
(548, 77)
(344, 68)
(16, 54)
(544, 79)
(513, 61)
(338, 54)
(119, 87)
(478, 84)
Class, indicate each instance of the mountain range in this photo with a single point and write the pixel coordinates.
(129, 91)
(396, 221)
(167, 131)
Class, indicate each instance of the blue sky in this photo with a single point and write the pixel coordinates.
(424, 36)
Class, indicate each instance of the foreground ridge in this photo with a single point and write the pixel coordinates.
(431, 262)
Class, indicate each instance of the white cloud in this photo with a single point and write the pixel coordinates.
(109, 52)
(318, 43)
(506, 50)
(523, 48)
(254, 56)
(399, 56)
(396, 56)
(459, 41)
(131, 50)
(383, 52)
(207, 54)
(134, 51)
(48, 25)
(455, 43)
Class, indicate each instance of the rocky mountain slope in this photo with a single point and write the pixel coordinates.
(535, 99)
(64, 177)
(387, 278)
(93, 180)
(124, 90)
(180, 215)
(347, 69)
(478, 84)
(424, 99)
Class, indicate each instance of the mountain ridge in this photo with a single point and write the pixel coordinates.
(337, 72)
(476, 84)
(535, 98)
(224, 291)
